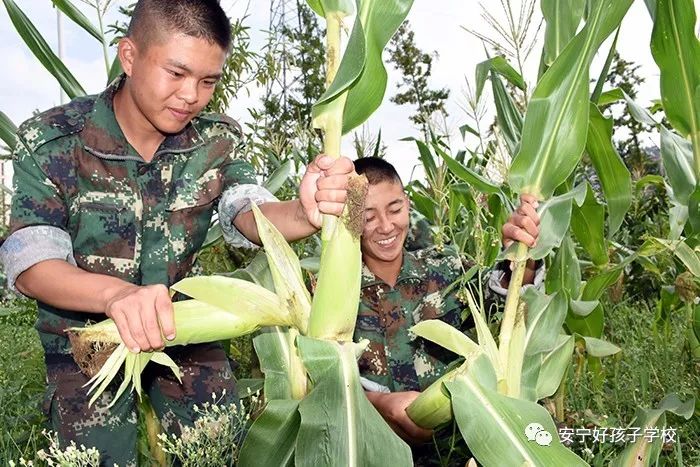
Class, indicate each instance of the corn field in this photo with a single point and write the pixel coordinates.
(598, 366)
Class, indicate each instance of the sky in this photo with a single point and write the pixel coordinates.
(440, 26)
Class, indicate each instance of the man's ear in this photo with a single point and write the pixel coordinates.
(127, 51)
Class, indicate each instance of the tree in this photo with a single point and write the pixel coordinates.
(415, 67)
(640, 159)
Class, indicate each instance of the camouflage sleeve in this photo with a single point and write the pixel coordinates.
(235, 200)
(31, 245)
(37, 220)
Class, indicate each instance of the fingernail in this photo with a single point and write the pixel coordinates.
(536, 204)
(135, 349)
(170, 336)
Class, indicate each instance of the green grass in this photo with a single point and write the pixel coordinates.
(653, 363)
(22, 382)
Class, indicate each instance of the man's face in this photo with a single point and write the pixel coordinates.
(386, 222)
(172, 80)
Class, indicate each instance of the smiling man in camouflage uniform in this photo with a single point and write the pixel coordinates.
(401, 288)
(114, 194)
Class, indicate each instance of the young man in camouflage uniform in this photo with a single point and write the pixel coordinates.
(401, 288)
(114, 194)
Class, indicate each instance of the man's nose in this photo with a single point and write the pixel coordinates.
(189, 91)
(385, 224)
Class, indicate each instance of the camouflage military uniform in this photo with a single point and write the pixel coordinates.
(84, 195)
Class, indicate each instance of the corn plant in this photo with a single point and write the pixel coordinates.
(493, 393)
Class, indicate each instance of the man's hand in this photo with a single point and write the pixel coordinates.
(392, 406)
(140, 312)
(523, 225)
(323, 189)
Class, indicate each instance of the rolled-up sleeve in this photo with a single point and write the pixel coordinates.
(31, 245)
(236, 200)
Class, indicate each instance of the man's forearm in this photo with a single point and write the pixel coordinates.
(68, 287)
(287, 216)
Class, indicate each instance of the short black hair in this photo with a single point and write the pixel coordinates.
(377, 170)
(203, 19)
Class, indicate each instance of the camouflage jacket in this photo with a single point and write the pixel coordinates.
(140, 221)
(394, 358)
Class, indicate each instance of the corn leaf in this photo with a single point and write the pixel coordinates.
(508, 116)
(272, 437)
(248, 300)
(446, 336)
(279, 177)
(645, 453)
(78, 18)
(285, 377)
(285, 270)
(41, 50)
(599, 348)
(676, 50)
(603, 76)
(328, 7)
(497, 65)
(8, 131)
(588, 226)
(114, 70)
(556, 122)
(339, 426)
(543, 372)
(494, 426)
(564, 272)
(677, 158)
(562, 18)
(545, 316)
(615, 178)
(362, 73)
(468, 175)
(592, 324)
(555, 214)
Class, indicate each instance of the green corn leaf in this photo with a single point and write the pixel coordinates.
(494, 426)
(543, 372)
(272, 438)
(497, 65)
(588, 226)
(556, 122)
(615, 178)
(78, 18)
(508, 116)
(643, 453)
(240, 297)
(114, 70)
(676, 50)
(695, 323)
(468, 175)
(565, 272)
(8, 131)
(279, 177)
(41, 50)
(681, 249)
(213, 234)
(677, 158)
(545, 316)
(339, 426)
(464, 129)
(603, 76)
(328, 7)
(592, 324)
(446, 336)
(583, 307)
(286, 271)
(280, 363)
(599, 348)
(555, 214)
(562, 18)
(610, 97)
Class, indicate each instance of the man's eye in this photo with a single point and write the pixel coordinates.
(369, 219)
(175, 73)
(210, 84)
